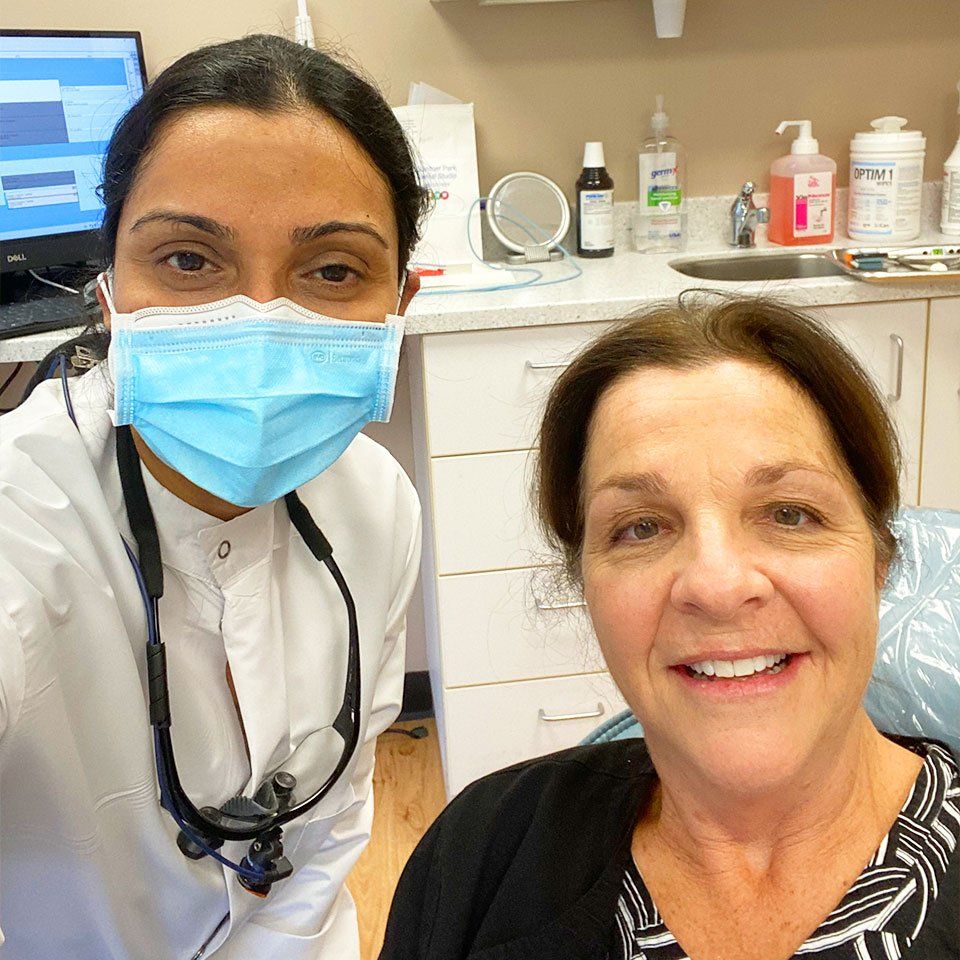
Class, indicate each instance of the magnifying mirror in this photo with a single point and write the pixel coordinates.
(529, 215)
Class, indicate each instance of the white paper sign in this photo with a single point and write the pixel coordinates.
(445, 151)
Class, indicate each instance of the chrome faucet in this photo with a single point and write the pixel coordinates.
(744, 217)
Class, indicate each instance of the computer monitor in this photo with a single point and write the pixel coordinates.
(61, 95)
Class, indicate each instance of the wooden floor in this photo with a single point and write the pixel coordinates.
(408, 795)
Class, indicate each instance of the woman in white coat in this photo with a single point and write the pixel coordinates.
(190, 686)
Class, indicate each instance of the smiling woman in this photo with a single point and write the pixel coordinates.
(261, 205)
(720, 476)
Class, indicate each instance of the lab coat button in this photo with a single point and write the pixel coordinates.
(223, 551)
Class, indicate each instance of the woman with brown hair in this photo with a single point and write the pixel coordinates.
(721, 477)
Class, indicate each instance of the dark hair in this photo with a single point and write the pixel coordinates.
(263, 73)
(697, 331)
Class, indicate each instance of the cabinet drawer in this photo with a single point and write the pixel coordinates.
(485, 389)
(491, 727)
(482, 513)
(512, 625)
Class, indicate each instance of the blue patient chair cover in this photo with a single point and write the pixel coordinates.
(915, 689)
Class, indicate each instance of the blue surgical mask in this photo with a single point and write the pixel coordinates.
(249, 400)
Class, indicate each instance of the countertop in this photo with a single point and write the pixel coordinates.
(628, 280)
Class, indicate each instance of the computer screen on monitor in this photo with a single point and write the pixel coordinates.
(61, 95)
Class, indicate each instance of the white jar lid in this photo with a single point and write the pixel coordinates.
(888, 136)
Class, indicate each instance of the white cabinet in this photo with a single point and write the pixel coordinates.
(889, 339)
(515, 668)
(510, 653)
(940, 477)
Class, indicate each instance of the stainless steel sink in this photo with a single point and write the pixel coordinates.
(772, 266)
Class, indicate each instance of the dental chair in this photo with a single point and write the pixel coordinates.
(915, 688)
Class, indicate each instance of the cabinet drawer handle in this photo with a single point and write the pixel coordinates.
(899, 343)
(561, 605)
(571, 716)
(533, 365)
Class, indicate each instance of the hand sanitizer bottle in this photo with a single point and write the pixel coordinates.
(659, 220)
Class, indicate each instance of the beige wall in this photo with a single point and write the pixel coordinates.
(546, 77)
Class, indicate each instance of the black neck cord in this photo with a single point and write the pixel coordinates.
(150, 571)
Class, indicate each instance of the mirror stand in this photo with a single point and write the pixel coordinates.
(535, 253)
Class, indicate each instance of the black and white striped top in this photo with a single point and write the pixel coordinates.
(880, 915)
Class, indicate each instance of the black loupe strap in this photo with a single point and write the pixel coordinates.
(139, 514)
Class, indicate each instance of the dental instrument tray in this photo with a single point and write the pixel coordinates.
(886, 264)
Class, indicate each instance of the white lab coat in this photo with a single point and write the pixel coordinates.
(89, 866)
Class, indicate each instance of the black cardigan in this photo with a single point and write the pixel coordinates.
(528, 864)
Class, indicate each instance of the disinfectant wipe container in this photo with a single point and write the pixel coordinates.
(886, 179)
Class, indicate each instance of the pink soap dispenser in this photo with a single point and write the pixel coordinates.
(803, 191)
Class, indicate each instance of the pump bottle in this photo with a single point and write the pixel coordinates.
(659, 220)
(950, 212)
(803, 191)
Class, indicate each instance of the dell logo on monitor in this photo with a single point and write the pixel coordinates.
(16, 257)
